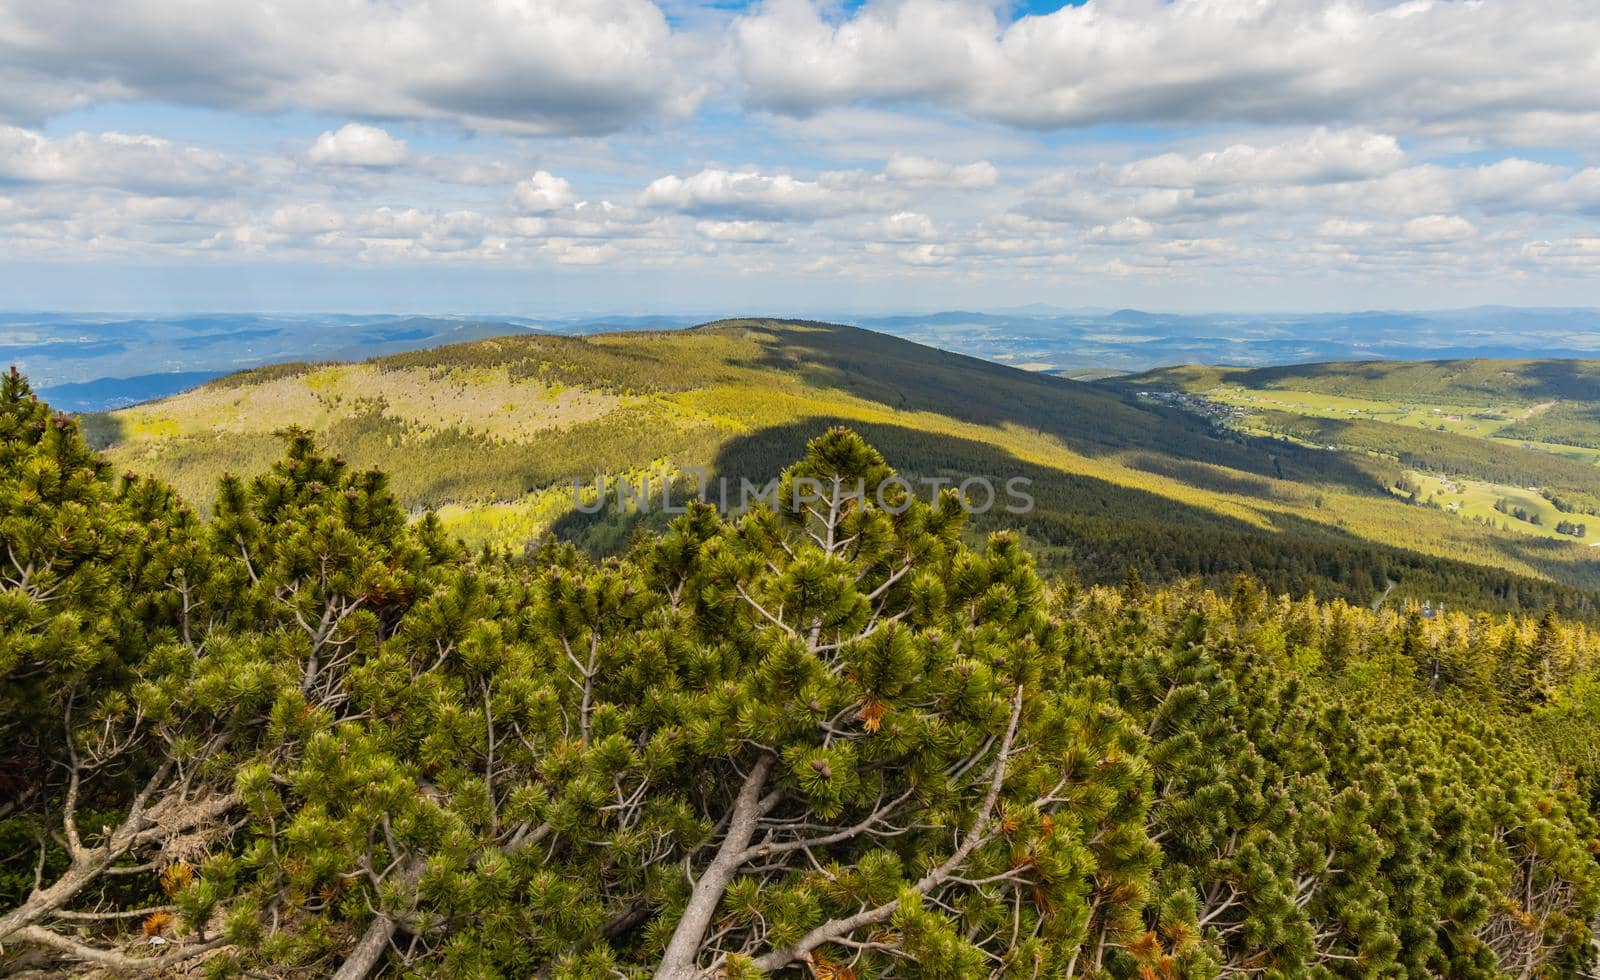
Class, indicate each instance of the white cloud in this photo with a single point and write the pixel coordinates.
(534, 66)
(544, 192)
(307, 219)
(926, 255)
(921, 172)
(793, 60)
(1567, 256)
(1518, 185)
(905, 226)
(112, 159)
(1320, 157)
(1259, 206)
(1435, 229)
(1184, 249)
(1322, 175)
(1189, 61)
(355, 145)
(772, 197)
(740, 231)
(472, 173)
(1124, 232)
(1339, 228)
(580, 253)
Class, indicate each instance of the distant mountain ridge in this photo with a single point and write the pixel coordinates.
(104, 394)
(78, 348)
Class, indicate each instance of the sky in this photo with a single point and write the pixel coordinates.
(795, 156)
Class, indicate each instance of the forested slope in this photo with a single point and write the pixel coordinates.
(1470, 382)
(309, 736)
(491, 434)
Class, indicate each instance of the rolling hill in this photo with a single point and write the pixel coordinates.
(492, 434)
(101, 361)
(1485, 382)
(1551, 402)
(1515, 421)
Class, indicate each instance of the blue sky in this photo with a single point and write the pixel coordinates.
(793, 156)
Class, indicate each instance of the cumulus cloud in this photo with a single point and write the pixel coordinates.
(926, 255)
(473, 173)
(1320, 202)
(355, 145)
(1343, 228)
(1519, 185)
(307, 219)
(580, 253)
(1320, 157)
(112, 159)
(534, 66)
(1566, 256)
(1188, 61)
(921, 172)
(905, 226)
(544, 192)
(740, 231)
(751, 194)
(1333, 177)
(1438, 229)
(1189, 249)
(1124, 232)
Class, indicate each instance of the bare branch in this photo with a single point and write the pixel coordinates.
(678, 962)
(110, 958)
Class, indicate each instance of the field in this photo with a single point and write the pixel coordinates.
(1475, 500)
(1506, 423)
(1577, 454)
(1479, 421)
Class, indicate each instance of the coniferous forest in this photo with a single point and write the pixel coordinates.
(308, 736)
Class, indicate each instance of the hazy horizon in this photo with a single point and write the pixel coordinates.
(1019, 309)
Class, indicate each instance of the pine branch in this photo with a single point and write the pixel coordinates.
(832, 930)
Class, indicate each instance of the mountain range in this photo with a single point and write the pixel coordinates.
(88, 362)
(1160, 472)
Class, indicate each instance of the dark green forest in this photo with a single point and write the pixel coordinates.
(309, 735)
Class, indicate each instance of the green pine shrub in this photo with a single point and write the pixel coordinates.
(312, 736)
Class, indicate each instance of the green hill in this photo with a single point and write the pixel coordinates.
(1551, 402)
(1473, 382)
(1510, 426)
(492, 434)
